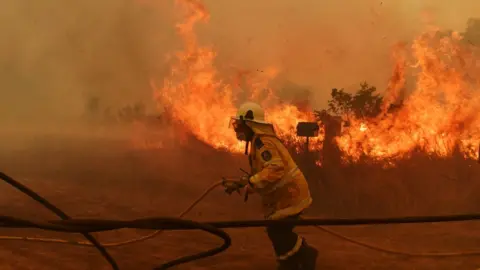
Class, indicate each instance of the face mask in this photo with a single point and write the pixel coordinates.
(242, 130)
(241, 136)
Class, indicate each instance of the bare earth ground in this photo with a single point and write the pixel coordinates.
(93, 179)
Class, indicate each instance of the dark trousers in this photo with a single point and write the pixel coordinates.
(283, 237)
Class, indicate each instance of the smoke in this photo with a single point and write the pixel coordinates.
(327, 44)
(56, 54)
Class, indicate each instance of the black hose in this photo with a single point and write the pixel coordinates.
(87, 226)
(204, 227)
(162, 223)
(35, 196)
(105, 225)
(342, 221)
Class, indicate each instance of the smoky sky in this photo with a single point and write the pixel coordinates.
(54, 54)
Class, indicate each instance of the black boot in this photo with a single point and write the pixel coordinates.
(307, 257)
(291, 263)
(304, 259)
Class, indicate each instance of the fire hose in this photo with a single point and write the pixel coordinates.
(159, 224)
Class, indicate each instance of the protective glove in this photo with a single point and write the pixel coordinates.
(232, 186)
(244, 180)
(237, 186)
(247, 189)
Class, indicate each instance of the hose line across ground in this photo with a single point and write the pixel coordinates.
(113, 244)
(30, 193)
(18, 223)
(160, 224)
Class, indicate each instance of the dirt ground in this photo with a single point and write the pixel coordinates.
(92, 178)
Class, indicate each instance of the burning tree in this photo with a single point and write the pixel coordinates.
(362, 104)
(472, 32)
(439, 112)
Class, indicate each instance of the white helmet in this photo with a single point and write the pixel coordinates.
(248, 112)
(251, 111)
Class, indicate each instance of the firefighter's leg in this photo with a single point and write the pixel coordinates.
(286, 244)
(292, 251)
(307, 256)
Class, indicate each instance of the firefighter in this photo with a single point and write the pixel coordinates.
(282, 186)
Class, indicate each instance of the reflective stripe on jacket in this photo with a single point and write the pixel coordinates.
(276, 177)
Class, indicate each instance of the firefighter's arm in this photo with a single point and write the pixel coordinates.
(273, 168)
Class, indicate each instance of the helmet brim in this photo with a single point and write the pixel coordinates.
(235, 118)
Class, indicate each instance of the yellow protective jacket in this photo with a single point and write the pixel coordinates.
(275, 176)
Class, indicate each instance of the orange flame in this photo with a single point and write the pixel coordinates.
(192, 92)
(439, 116)
(204, 104)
